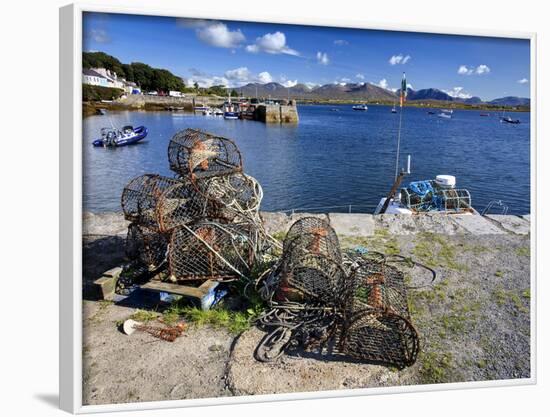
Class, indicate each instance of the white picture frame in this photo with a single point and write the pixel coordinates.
(70, 154)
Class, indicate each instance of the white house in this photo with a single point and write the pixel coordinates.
(112, 79)
(92, 77)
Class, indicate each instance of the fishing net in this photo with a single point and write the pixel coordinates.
(146, 246)
(195, 154)
(210, 250)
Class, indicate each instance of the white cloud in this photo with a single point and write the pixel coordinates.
(99, 36)
(311, 85)
(265, 77)
(242, 75)
(399, 59)
(464, 70)
(383, 83)
(360, 76)
(479, 70)
(289, 83)
(322, 58)
(483, 69)
(207, 81)
(341, 42)
(272, 43)
(218, 34)
(458, 92)
(238, 74)
(523, 81)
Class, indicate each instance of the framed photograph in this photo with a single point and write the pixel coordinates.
(261, 209)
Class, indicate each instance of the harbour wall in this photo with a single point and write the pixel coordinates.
(357, 224)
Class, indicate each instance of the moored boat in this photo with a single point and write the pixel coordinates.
(428, 196)
(444, 115)
(362, 107)
(128, 135)
(508, 119)
(230, 110)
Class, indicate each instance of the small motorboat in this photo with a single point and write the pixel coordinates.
(444, 115)
(362, 107)
(207, 112)
(201, 108)
(449, 111)
(101, 112)
(128, 135)
(510, 120)
(217, 112)
(394, 110)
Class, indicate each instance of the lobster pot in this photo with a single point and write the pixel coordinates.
(195, 154)
(376, 285)
(210, 250)
(318, 278)
(146, 246)
(383, 338)
(140, 198)
(310, 235)
(181, 204)
(456, 199)
(236, 194)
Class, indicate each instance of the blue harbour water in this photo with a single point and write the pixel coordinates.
(330, 158)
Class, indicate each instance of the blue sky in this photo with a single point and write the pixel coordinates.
(235, 53)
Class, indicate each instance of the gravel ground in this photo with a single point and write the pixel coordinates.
(474, 325)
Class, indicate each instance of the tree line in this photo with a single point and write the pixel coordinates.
(147, 77)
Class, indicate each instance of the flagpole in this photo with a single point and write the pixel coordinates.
(402, 99)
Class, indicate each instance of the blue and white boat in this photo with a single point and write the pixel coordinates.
(128, 135)
(362, 107)
(230, 110)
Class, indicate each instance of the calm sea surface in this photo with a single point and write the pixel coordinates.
(331, 158)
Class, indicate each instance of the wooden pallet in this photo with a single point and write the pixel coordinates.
(204, 294)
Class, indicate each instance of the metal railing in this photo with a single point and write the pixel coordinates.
(325, 209)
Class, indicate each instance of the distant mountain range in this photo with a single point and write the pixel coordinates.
(365, 91)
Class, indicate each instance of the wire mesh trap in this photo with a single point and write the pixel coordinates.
(311, 235)
(378, 327)
(236, 194)
(364, 297)
(140, 198)
(209, 250)
(196, 154)
(381, 337)
(146, 246)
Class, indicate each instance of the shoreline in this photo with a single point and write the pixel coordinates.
(153, 103)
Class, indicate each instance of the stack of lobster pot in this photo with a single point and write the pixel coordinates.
(320, 297)
(204, 223)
